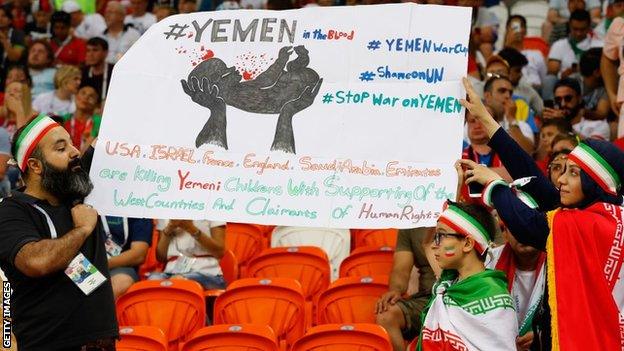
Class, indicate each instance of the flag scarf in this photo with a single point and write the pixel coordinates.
(476, 313)
(585, 278)
(506, 263)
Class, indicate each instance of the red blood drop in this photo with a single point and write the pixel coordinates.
(247, 75)
(208, 55)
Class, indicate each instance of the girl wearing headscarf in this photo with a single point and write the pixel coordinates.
(581, 228)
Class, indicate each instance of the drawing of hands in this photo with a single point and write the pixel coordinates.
(205, 95)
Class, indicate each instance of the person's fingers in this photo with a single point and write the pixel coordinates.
(468, 163)
(395, 299)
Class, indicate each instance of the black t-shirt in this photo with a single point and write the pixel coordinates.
(50, 313)
(97, 81)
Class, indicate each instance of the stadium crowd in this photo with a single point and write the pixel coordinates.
(531, 260)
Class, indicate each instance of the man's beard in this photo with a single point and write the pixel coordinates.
(570, 114)
(67, 185)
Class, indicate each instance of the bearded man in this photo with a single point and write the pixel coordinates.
(47, 237)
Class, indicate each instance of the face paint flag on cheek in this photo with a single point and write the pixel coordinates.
(449, 251)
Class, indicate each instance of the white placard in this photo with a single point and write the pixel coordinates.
(343, 117)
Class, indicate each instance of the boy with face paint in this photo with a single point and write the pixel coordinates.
(581, 233)
(470, 308)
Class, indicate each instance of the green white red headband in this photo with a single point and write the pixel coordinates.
(597, 168)
(30, 137)
(465, 224)
(486, 195)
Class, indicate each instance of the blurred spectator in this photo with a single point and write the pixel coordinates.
(485, 22)
(61, 100)
(612, 66)
(13, 40)
(556, 25)
(191, 250)
(549, 130)
(5, 156)
(15, 73)
(97, 72)
(162, 12)
(188, 6)
(253, 4)
(515, 33)
(497, 94)
(40, 58)
(615, 9)
(565, 53)
(18, 11)
(67, 49)
(140, 19)
(595, 98)
(127, 241)
(16, 109)
(569, 105)
(279, 5)
(400, 315)
(84, 124)
(229, 5)
(119, 36)
(522, 88)
(85, 26)
(87, 6)
(39, 27)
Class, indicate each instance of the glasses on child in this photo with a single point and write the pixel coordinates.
(437, 237)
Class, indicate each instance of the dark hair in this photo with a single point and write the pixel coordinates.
(483, 217)
(581, 15)
(60, 17)
(513, 57)
(520, 18)
(279, 5)
(98, 97)
(490, 82)
(98, 41)
(562, 125)
(47, 47)
(7, 12)
(571, 137)
(590, 61)
(23, 69)
(570, 83)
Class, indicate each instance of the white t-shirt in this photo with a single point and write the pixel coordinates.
(522, 290)
(562, 51)
(117, 46)
(253, 4)
(588, 128)
(49, 103)
(141, 23)
(185, 245)
(91, 26)
(535, 71)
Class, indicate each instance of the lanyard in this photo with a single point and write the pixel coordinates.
(53, 233)
(108, 232)
(62, 46)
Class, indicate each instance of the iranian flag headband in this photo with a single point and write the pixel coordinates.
(465, 224)
(30, 137)
(597, 168)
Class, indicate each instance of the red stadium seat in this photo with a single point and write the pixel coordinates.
(351, 300)
(344, 337)
(141, 338)
(276, 302)
(368, 261)
(175, 306)
(229, 337)
(374, 237)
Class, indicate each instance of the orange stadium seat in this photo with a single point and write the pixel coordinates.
(141, 338)
(368, 261)
(229, 266)
(231, 337)
(277, 302)
(307, 264)
(374, 237)
(151, 264)
(351, 300)
(344, 337)
(245, 241)
(175, 306)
